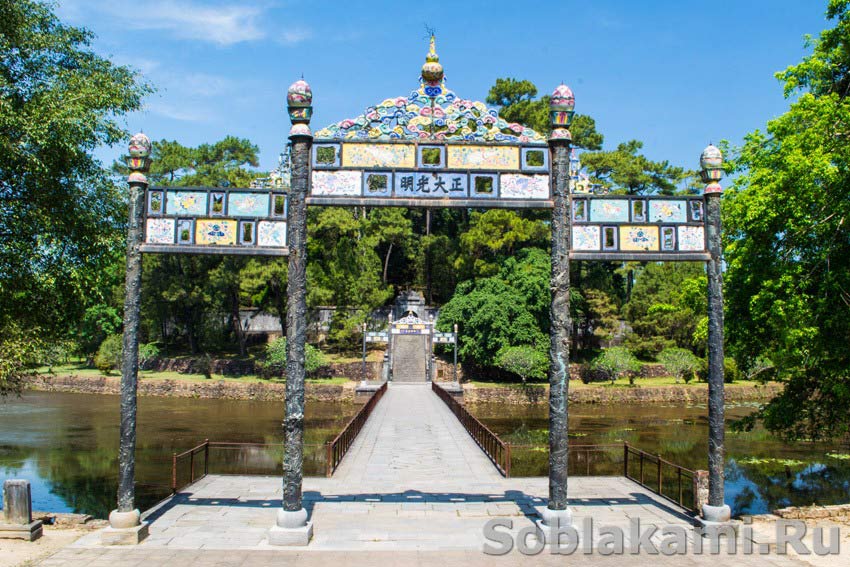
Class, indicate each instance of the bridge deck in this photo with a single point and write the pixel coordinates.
(412, 439)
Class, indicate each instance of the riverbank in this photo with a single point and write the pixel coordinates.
(175, 385)
(644, 392)
(323, 390)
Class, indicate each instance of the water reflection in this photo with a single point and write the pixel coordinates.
(67, 444)
(762, 472)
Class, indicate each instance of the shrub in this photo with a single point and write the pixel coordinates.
(276, 357)
(108, 357)
(526, 362)
(204, 365)
(20, 351)
(147, 353)
(616, 362)
(588, 373)
(680, 362)
(730, 370)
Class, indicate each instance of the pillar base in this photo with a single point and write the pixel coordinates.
(291, 528)
(555, 518)
(124, 536)
(26, 532)
(716, 514)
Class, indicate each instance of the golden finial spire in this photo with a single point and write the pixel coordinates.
(432, 71)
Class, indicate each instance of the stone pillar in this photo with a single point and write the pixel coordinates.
(17, 512)
(292, 526)
(125, 526)
(557, 513)
(716, 510)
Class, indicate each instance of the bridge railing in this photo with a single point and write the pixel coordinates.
(666, 479)
(497, 450)
(337, 448)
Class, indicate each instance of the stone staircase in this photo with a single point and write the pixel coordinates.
(409, 358)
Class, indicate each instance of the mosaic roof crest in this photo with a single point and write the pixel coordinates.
(418, 116)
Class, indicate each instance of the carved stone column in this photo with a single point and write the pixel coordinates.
(125, 522)
(716, 510)
(292, 526)
(561, 110)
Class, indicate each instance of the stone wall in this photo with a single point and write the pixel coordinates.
(208, 389)
(814, 512)
(539, 394)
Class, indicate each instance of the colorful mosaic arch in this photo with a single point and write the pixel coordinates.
(450, 119)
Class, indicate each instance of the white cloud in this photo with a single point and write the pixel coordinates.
(221, 23)
(186, 113)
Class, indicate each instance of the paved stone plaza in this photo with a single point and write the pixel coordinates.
(414, 489)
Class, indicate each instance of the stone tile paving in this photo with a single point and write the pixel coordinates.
(414, 490)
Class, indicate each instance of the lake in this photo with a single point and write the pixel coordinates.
(66, 445)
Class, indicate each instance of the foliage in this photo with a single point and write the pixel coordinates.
(276, 356)
(518, 104)
(667, 303)
(679, 362)
(616, 362)
(489, 317)
(108, 357)
(527, 362)
(147, 353)
(493, 236)
(60, 215)
(20, 352)
(99, 321)
(601, 314)
(788, 244)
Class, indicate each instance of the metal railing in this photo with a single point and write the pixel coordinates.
(680, 479)
(190, 456)
(337, 448)
(497, 450)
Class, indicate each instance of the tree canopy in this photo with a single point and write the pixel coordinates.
(788, 243)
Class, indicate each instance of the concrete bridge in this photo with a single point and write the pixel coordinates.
(413, 489)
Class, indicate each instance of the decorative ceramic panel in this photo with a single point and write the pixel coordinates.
(666, 211)
(432, 185)
(337, 183)
(638, 238)
(585, 238)
(377, 184)
(159, 231)
(518, 186)
(248, 205)
(379, 155)
(691, 238)
(605, 210)
(271, 233)
(215, 231)
(186, 203)
(483, 157)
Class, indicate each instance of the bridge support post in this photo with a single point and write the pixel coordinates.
(292, 526)
(557, 512)
(716, 510)
(125, 525)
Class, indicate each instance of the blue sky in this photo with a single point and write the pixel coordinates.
(670, 73)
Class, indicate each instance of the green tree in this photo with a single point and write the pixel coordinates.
(517, 102)
(788, 244)
(617, 362)
(490, 316)
(527, 362)
(60, 215)
(625, 170)
(679, 362)
(493, 236)
(666, 306)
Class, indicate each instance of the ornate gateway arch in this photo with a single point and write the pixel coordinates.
(428, 149)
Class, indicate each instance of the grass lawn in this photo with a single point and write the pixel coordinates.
(80, 369)
(661, 381)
